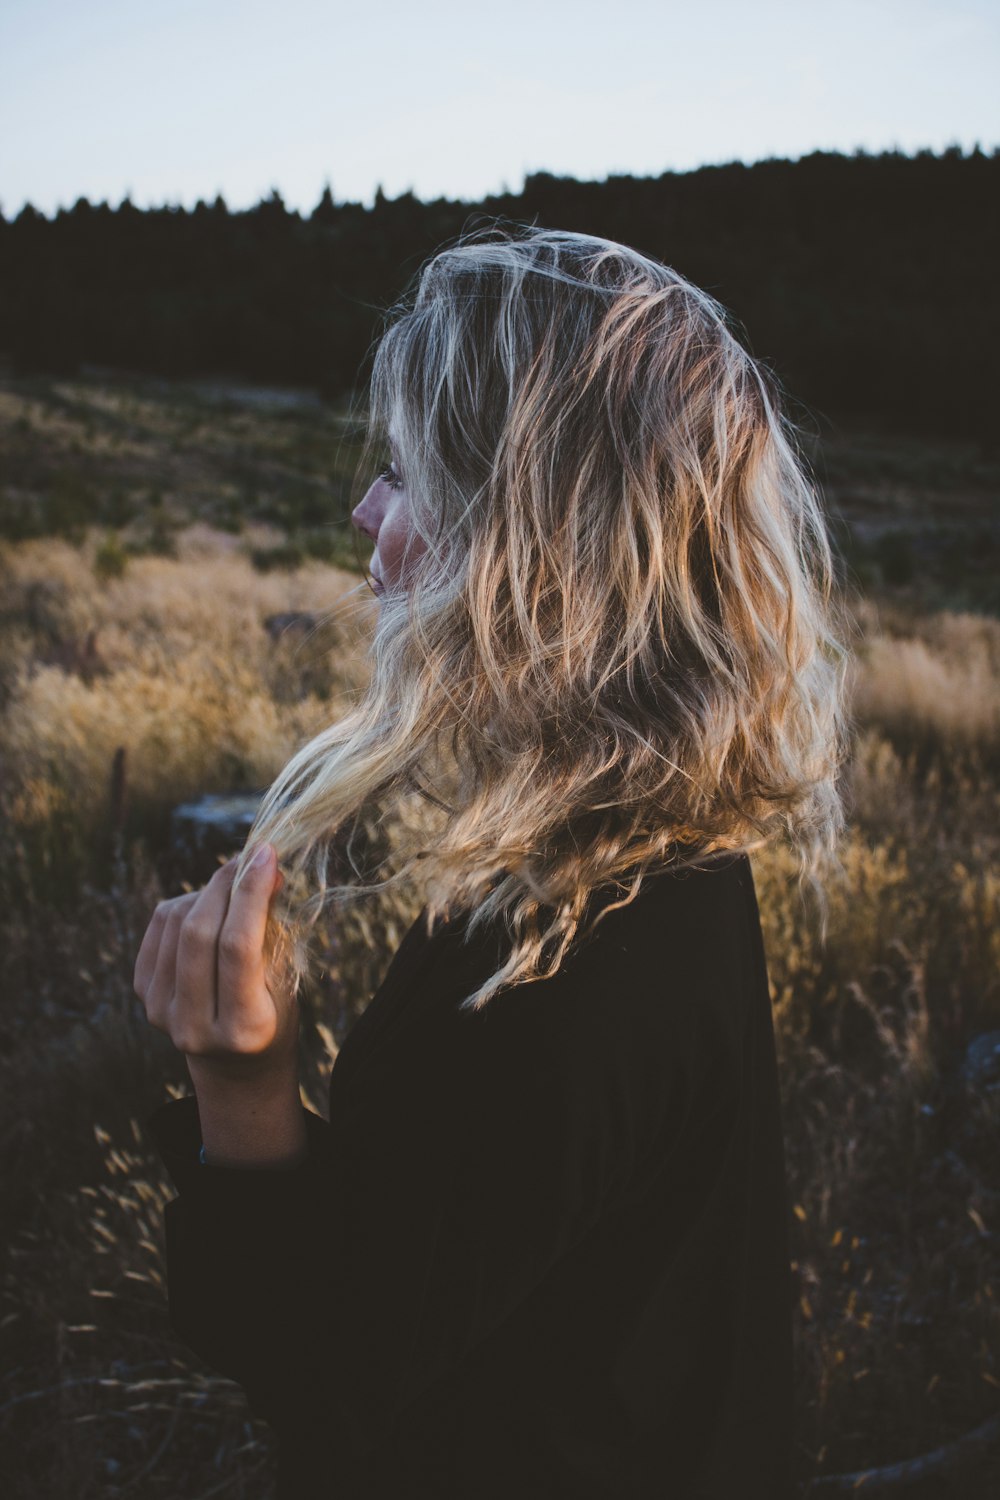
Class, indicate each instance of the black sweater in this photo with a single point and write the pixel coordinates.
(538, 1253)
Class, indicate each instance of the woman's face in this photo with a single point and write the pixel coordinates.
(384, 515)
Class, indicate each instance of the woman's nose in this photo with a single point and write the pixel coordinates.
(360, 523)
(365, 516)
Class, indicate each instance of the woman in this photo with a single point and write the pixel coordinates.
(539, 1248)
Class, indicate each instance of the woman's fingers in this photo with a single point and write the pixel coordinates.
(156, 964)
(247, 1015)
(145, 963)
(195, 996)
(200, 972)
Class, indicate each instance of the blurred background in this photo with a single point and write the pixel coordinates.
(206, 212)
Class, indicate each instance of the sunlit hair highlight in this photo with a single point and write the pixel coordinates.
(620, 651)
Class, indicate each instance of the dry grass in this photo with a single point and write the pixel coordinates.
(891, 1155)
(932, 676)
(179, 669)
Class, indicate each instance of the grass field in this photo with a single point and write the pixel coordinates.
(148, 531)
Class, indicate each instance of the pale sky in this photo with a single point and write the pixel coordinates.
(182, 99)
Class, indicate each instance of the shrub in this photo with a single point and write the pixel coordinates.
(111, 559)
(286, 555)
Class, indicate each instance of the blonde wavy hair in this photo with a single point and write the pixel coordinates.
(618, 652)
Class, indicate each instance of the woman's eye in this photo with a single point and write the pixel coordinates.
(391, 478)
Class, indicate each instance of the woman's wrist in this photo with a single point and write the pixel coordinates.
(249, 1124)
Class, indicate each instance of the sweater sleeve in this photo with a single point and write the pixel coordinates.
(462, 1165)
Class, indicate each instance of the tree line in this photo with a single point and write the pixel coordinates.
(867, 282)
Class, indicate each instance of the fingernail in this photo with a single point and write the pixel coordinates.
(261, 858)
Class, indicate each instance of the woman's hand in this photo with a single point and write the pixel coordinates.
(201, 976)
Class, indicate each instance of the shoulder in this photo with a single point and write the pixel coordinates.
(666, 975)
(684, 930)
(641, 1029)
(674, 967)
(692, 905)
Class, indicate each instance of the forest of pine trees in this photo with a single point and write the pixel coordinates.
(866, 282)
